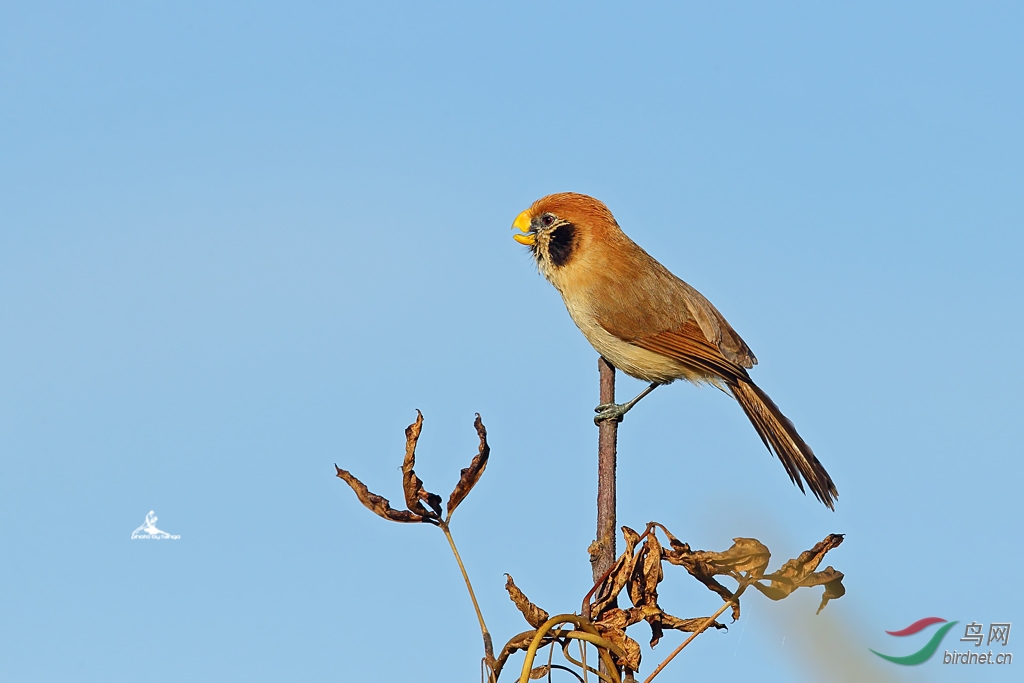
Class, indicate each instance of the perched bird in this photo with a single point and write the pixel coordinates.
(650, 324)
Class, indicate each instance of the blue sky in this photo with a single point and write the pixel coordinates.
(241, 242)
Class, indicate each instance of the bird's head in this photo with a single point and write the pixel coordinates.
(560, 227)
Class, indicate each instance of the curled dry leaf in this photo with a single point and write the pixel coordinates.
(534, 615)
(412, 486)
(746, 555)
(378, 504)
(687, 625)
(617, 636)
(800, 572)
(471, 475)
(834, 587)
(516, 643)
(619, 618)
(646, 574)
(704, 571)
(619, 576)
(538, 672)
(659, 621)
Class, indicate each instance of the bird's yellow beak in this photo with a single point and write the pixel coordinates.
(522, 222)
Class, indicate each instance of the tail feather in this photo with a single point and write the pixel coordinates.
(780, 436)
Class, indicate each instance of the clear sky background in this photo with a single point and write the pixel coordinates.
(241, 242)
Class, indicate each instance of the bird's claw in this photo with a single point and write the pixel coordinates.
(610, 411)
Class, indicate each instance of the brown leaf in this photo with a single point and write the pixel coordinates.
(620, 618)
(800, 572)
(471, 475)
(657, 631)
(747, 555)
(833, 589)
(631, 538)
(647, 574)
(538, 672)
(688, 625)
(809, 560)
(616, 581)
(672, 540)
(516, 643)
(701, 565)
(660, 620)
(378, 504)
(534, 615)
(411, 484)
(630, 647)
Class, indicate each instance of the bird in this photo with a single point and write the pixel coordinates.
(650, 324)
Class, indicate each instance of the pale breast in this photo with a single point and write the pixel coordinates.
(632, 360)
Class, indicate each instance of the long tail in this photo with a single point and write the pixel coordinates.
(779, 436)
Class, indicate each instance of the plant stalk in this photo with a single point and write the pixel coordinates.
(686, 642)
(488, 645)
(602, 552)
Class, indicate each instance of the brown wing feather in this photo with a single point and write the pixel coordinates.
(688, 345)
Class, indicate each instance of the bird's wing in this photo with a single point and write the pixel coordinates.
(717, 329)
(659, 312)
(651, 302)
(688, 345)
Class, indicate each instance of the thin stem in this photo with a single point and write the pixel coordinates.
(583, 655)
(686, 642)
(488, 646)
(602, 555)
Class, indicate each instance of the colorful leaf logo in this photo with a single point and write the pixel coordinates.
(930, 647)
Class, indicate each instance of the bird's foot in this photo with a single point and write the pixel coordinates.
(611, 411)
(615, 411)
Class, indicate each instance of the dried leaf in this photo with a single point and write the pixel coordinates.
(688, 625)
(701, 565)
(800, 572)
(631, 538)
(411, 484)
(516, 643)
(616, 581)
(534, 615)
(538, 672)
(833, 589)
(630, 647)
(471, 475)
(674, 542)
(647, 574)
(657, 631)
(620, 618)
(809, 560)
(659, 620)
(378, 504)
(746, 555)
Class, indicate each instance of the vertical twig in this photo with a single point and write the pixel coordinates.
(602, 552)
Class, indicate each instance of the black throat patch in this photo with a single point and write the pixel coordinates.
(561, 244)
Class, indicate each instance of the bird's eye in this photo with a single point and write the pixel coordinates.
(547, 219)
